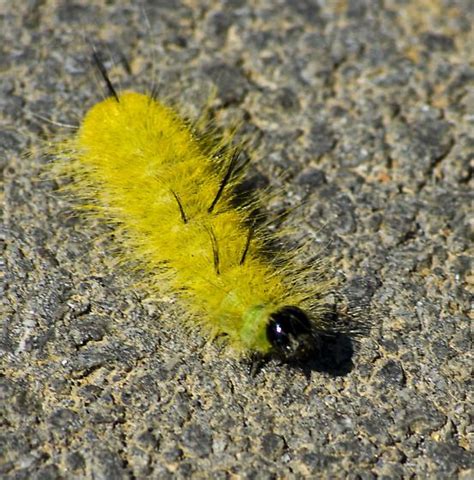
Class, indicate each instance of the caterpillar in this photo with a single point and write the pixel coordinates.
(167, 189)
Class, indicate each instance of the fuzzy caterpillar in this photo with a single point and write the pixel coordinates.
(168, 194)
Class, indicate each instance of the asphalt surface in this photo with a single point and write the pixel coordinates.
(362, 117)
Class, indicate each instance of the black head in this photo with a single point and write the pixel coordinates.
(290, 333)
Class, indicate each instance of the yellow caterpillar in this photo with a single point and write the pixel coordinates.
(168, 194)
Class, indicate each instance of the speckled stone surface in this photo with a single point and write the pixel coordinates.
(361, 111)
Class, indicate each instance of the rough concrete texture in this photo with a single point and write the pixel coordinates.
(361, 112)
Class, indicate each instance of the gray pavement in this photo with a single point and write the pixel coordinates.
(362, 113)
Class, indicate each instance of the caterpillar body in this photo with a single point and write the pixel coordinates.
(169, 196)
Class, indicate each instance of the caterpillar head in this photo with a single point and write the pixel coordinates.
(290, 333)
